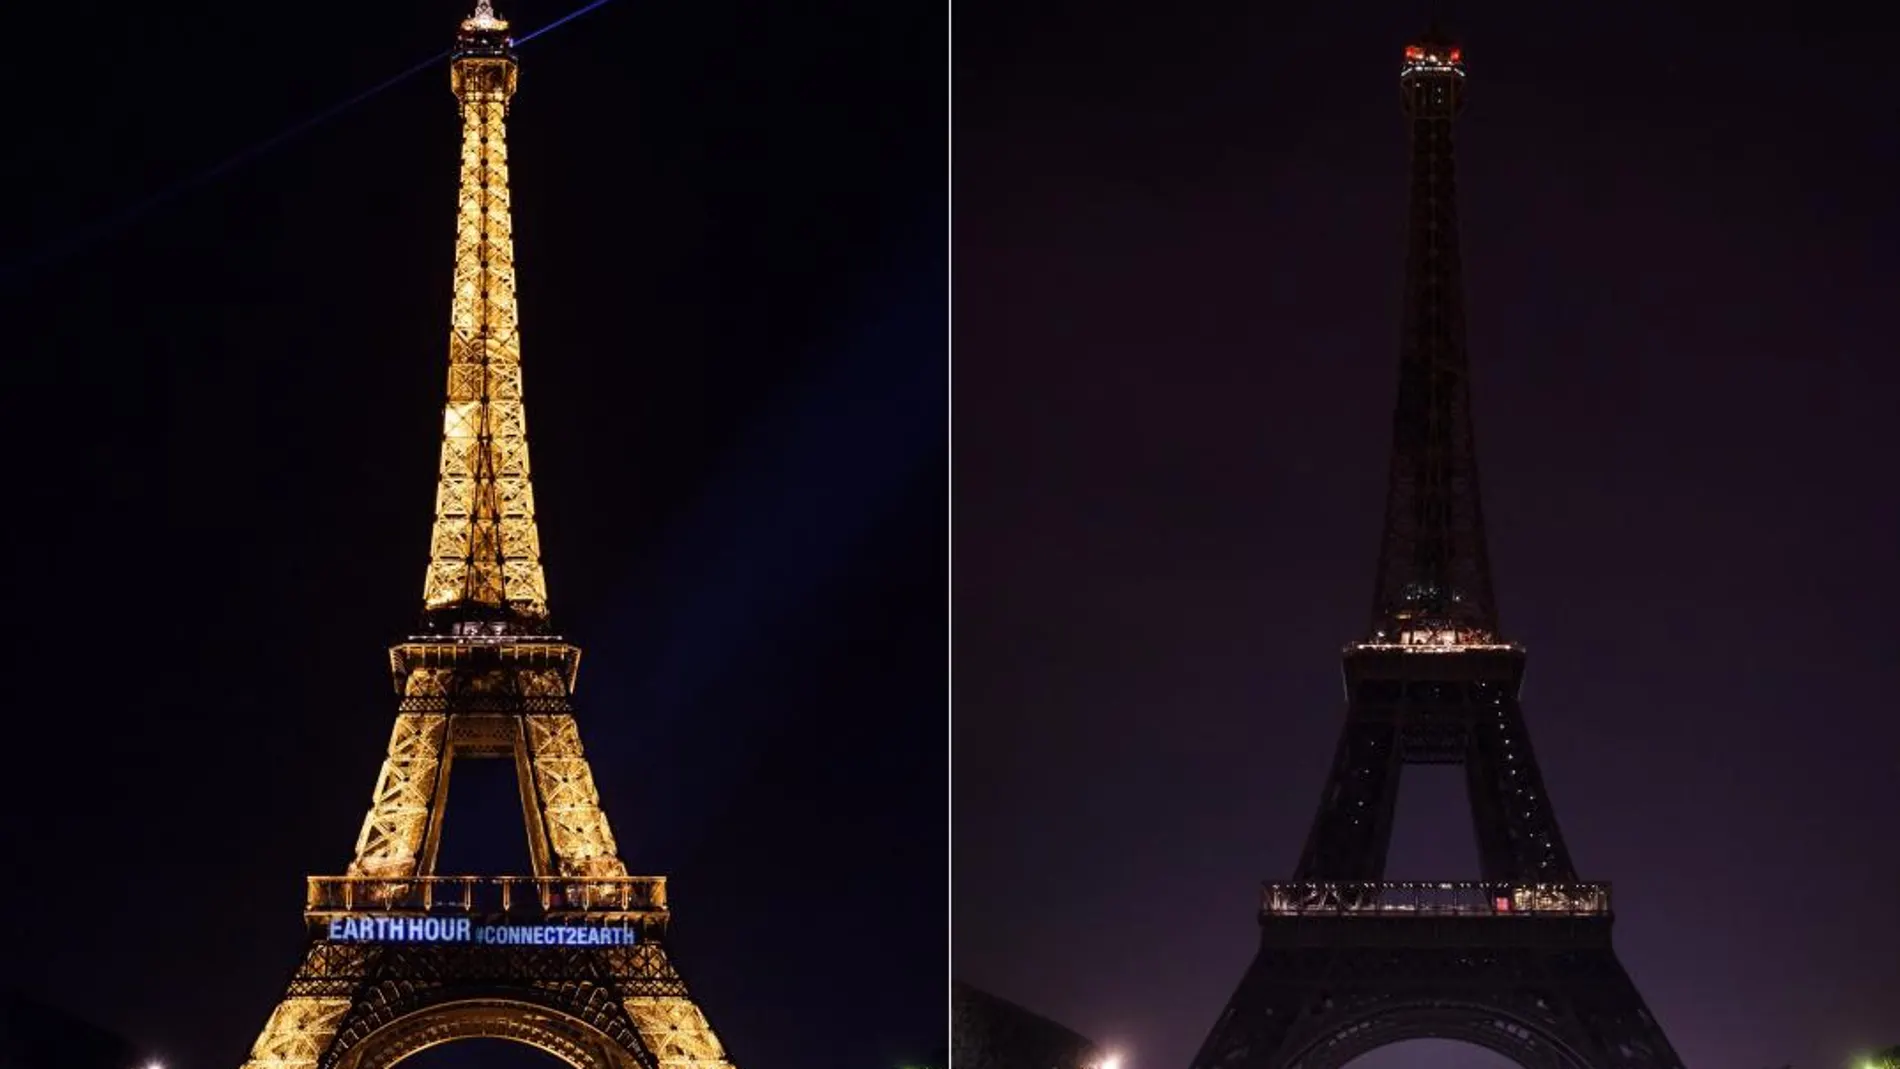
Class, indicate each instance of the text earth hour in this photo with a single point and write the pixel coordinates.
(463, 930)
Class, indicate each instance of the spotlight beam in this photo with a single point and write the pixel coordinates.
(92, 233)
(562, 21)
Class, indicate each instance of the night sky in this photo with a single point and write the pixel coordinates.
(221, 436)
(1178, 236)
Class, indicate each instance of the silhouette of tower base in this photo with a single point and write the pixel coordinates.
(1545, 991)
(1519, 962)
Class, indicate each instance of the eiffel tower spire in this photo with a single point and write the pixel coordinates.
(484, 553)
(1434, 571)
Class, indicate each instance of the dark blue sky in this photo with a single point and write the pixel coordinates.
(1178, 241)
(224, 418)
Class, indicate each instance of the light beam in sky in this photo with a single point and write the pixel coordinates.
(78, 239)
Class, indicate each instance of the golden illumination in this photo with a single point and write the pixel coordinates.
(677, 1033)
(484, 550)
(494, 694)
(391, 840)
(484, 18)
(577, 831)
(298, 1033)
(616, 898)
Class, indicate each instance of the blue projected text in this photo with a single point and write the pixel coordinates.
(464, 930)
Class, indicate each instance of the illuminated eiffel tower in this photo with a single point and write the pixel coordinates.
(570, 959)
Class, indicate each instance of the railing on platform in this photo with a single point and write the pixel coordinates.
(1435, 899)
(602, 897)
(1448, 646)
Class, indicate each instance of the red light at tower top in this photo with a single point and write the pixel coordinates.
(1434, 55)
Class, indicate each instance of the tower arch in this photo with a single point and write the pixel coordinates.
(531, 1024)
(1520, 1040)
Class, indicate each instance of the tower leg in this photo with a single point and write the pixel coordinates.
(577, 829)
(297, 1034)
(676, 1032)
(1518, 836)
(400, 812)
(1354, 827)
(300, 1030)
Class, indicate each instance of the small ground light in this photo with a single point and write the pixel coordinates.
(1113, 1061)
(153, 1065)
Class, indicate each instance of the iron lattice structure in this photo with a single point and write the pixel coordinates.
(1521, 961)
(486, 679)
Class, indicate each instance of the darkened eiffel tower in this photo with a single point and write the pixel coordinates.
(1521, 961)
